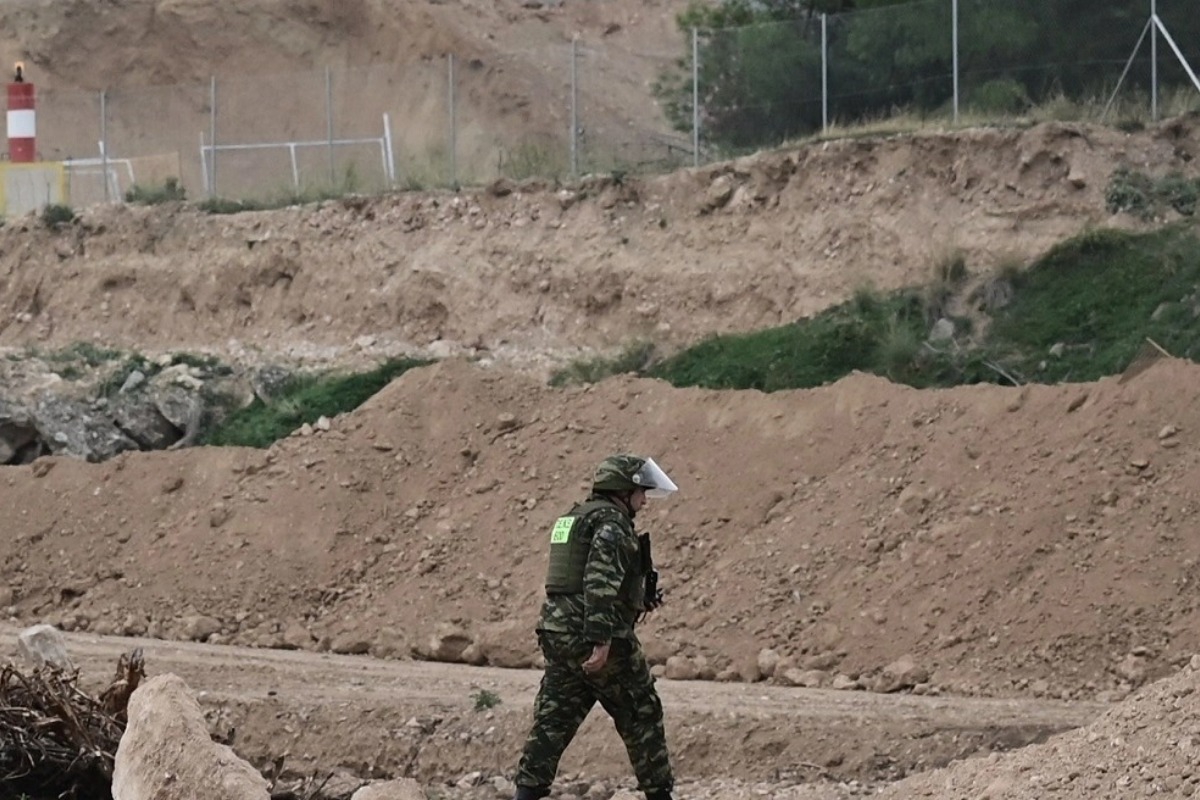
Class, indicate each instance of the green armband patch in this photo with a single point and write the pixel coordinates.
(561, 534)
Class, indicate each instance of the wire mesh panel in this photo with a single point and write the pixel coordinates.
(759, 85)
(414, 95)
(152, 135)
(886, 61)
(513, 115)
(622, 126)
(269, 136)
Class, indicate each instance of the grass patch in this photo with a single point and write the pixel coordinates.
(1139, 194)
(304, 400)
(1078, 314)
(83, 352)
(485, 699)
(634, 358)
(170, 191)
(57, 215)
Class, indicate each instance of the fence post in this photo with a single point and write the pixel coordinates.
(453, 124)
(329, 125)
(695, 97)
(1154, 60)
(954, 38)
(104, 144)
(212, 139)
(574, 141)
(824, 73)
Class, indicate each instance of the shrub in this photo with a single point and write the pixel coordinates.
(56, 215)
(169, 192)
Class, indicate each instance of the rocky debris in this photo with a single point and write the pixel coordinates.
(44, 644)
(1146, 746)
(166, 752)
(73, 428)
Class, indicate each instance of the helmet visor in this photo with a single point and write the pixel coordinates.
(651, 478)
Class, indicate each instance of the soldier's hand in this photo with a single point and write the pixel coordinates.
(597, 659)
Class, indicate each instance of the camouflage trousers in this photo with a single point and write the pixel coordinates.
(624, 688)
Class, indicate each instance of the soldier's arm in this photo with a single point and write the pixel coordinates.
(602, 580)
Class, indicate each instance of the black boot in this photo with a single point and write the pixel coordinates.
(662, 794)
(530, 793)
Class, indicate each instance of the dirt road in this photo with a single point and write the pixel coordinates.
(382, 718)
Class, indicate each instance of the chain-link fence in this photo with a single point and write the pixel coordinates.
(591, 106)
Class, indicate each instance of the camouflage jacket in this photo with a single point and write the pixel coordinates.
(613, 585)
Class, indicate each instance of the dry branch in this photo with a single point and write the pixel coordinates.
(56, 740)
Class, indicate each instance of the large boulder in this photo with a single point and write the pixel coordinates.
(166, 752)
(70, 427)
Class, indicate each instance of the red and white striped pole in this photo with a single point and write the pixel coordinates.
(22, 120)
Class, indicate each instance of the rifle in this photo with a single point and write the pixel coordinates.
(653, 596)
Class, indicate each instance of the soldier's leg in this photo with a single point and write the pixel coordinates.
(564, 699)
(628, 695)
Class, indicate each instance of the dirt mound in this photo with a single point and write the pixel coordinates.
(1010, 541)
(1144, 746)
(534, 275)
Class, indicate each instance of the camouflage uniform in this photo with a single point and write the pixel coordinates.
(605, 610)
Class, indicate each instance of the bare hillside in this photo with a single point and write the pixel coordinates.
(532, 273)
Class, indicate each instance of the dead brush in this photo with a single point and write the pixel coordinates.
(56, 740)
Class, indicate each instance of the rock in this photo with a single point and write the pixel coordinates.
(270, 382)
(903, 673)
(657, 651)
(942, 331)
(350, 644)
(844, 683)
(296, 637)
(718, 193)
(767, 660)
(69, 427)
(166, 752)
(182, 408)
(510, 644)
(20, 442)
(199, 627)
(681, 668)
(132, 381)
(139, 418)
(44, 644)
(446, 643)
(1057, 349)
(913, 501)
(1133, 668)
(501, 187)
(1076, 176)
(399, 789)
(503, 787)
(807, 678)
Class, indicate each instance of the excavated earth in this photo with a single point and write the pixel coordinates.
(885, 580)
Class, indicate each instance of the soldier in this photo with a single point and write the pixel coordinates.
(596, 589)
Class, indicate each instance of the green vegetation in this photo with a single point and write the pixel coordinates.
(634, 358)
(131, 364)
(85, 353)
(56, 215)
(304, 400)
(1081, 312)
(760, 63)
(1147, 197)
(485, 699)
(169, 192)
